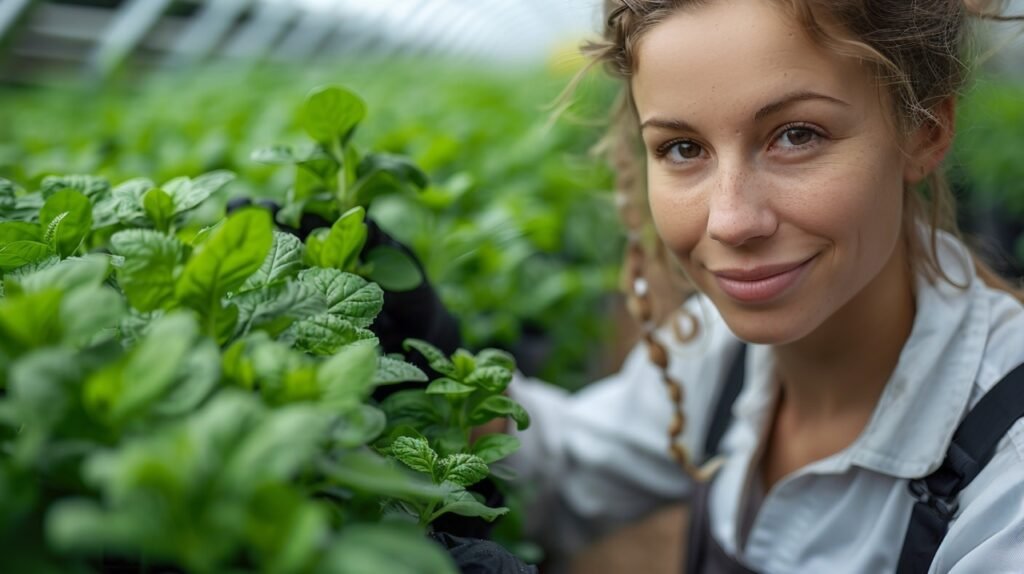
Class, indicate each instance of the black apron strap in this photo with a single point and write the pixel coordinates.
(721, 417)
(973, 445)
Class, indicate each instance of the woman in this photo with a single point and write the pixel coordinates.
(791, 156)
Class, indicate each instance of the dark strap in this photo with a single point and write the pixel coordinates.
(973, 445)
(721, 417)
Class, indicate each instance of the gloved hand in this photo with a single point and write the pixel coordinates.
(476, 556)
(414, 314)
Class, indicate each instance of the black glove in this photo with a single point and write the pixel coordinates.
(475, 556)
(414, 314)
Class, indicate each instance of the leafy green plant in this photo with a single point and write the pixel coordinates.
(192, 396)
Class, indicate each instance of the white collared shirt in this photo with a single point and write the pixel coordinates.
(599, 459)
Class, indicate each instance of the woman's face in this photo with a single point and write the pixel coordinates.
(773, 172)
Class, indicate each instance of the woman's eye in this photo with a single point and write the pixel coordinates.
(681, 151)
(797, 137)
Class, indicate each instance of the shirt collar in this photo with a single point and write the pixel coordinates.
(929, 391)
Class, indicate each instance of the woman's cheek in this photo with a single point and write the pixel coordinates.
(680, 217)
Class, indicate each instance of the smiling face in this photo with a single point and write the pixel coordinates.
(774, 173)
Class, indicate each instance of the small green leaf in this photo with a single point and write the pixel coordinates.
(346, 239)
(189, 193)
(326, 334)
(391, 371)
(347, 377)
(330, 113)
(393, 269)
(159, 208)
(499, 406)
(449, 387)
(71, 212)
(493, 379)
(147, 275)
(233, 253)
(348, 296)
(461, 469)
(414, 453)
(435, 358)
(496, 358)
(274, 155)
(460, 501)
(494, 447)
(283, 262)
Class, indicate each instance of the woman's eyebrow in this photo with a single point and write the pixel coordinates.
(674, 125)
(792, 98)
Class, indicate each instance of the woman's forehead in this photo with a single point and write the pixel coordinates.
(738, 54)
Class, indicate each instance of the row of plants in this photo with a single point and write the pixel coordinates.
(515, 223)
(181, 395)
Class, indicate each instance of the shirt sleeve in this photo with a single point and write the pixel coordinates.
(598, 459)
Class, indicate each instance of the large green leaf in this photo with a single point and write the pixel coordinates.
(233, 253)
(65, 275)
(329, 113)
(93, 187)
(494, 447)
(159, 207)
(346, 379)
(393, 269)
(188, 193)
(276, 306)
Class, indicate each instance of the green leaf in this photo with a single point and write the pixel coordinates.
(496, 358)
(393, 268)
(460, 501)
(18, 253)
(348, 296)
(197, 377)
(435, 358)
(346, 239)
(358, 426)
(189, 193)
(286, 440)
(283, 262)
(449, 387)
(366, 471)
(91, 186)
(391, 371)
(394, 548)
(11, 231)
(382, 174)
(90, 314)
(326, 334)
(147, 275)
(65, 275)
(72, 213)
(7, 195)
(494, 447)
(414, 407)
(499, 406)
(274, 155)
(330, 113)
(493, 379)
(159, 207)
(31, 320)
(276, 307)
(127, 199)
(347, 377)
(414, 453)
(233, 253)
(461, 469)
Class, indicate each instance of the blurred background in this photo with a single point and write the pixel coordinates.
(518, 227)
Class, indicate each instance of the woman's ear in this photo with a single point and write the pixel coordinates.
(931, 142)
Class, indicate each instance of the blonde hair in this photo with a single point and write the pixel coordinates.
(916, 49)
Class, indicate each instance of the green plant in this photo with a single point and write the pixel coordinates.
(195, 396)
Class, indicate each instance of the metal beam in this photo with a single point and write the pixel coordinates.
(10, 13)
(133, 22)
(204, 34)
(259, 35)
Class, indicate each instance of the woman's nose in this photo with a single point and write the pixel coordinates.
(739, 210)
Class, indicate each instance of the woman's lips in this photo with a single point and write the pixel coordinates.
(760, 284)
